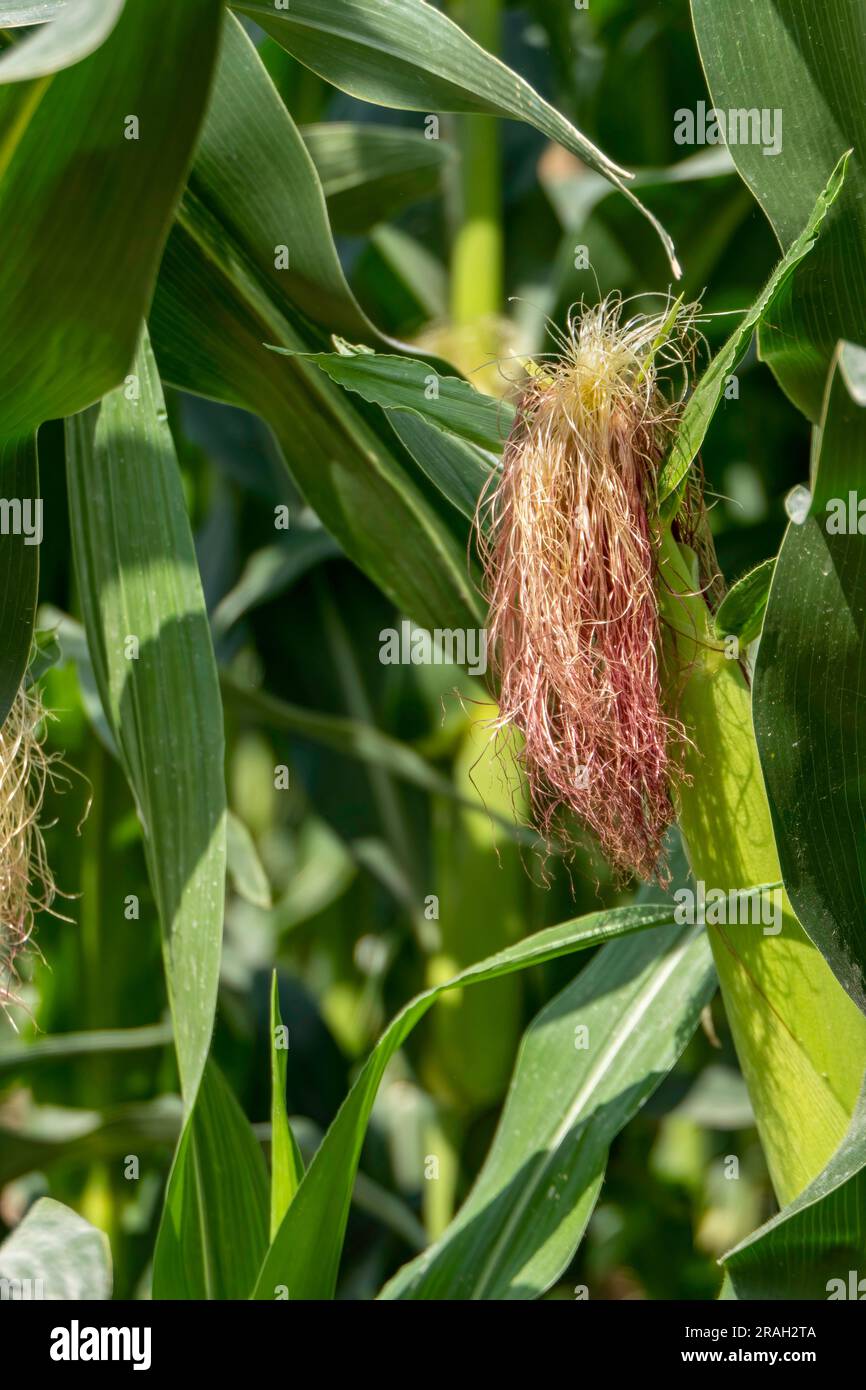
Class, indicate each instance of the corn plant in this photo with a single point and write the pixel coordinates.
(431, 549)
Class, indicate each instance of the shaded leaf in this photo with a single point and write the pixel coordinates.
(702, 404)
(805, 62)
(413, 57)
(77, 271)
(368, 173)
(810, 683)
(149, 641)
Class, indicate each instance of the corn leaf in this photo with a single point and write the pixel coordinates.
(702, 404)
(305, 1253)
(287, 1165)
(810, 682)
(639, 1001)
(369, 173)
(149, 641)
(223, 294)
(806, 62)
(214, 1228)
(19, 570)
(405, 384)
(815, 1248)
(57, 1255)
(411, 56)
(77, 267)
(741, 612)
(75, 31)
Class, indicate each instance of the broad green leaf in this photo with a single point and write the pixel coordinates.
(411, 56)
(405, 384)
(805, 62)
(572, 1092)
(149, 641)
(77, 267)
(741, 612)
(244, 865)
(305, 1254)
(19, 566)
(816, 1247)
(702, 404)
(214, 1228)
(810, 682)
(76, 31)
(368, 173)
(253, 201)
(55, 1254)
(287, 1166)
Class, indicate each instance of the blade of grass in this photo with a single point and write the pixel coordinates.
(287, 1165)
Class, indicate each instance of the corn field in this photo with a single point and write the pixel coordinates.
(433, 650)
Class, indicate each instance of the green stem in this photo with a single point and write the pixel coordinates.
(477, 260)
(800, 1039)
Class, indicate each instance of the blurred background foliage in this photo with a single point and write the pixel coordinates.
(333, 881)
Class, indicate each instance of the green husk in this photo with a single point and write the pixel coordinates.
(800, 1039)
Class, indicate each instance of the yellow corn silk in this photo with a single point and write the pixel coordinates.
(800, 1039)
(26, 886)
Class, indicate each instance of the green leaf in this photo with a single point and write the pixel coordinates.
(73, 648)
(287, 1165)
(244, 865)
(221, 297)
(810, 683)
(815, 1248)
(702, 404)
(19, 569)
(807, 62)
(272, 570)
(77, 268)
(56, 1254)
(741, 612)
(639, 1001)
(214, 1228)
(458, 469)
(76, 31)
(149, 641)
(19, 1057)
(304, 1256)
(411, 56)
(369, 173)
(405, 384)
